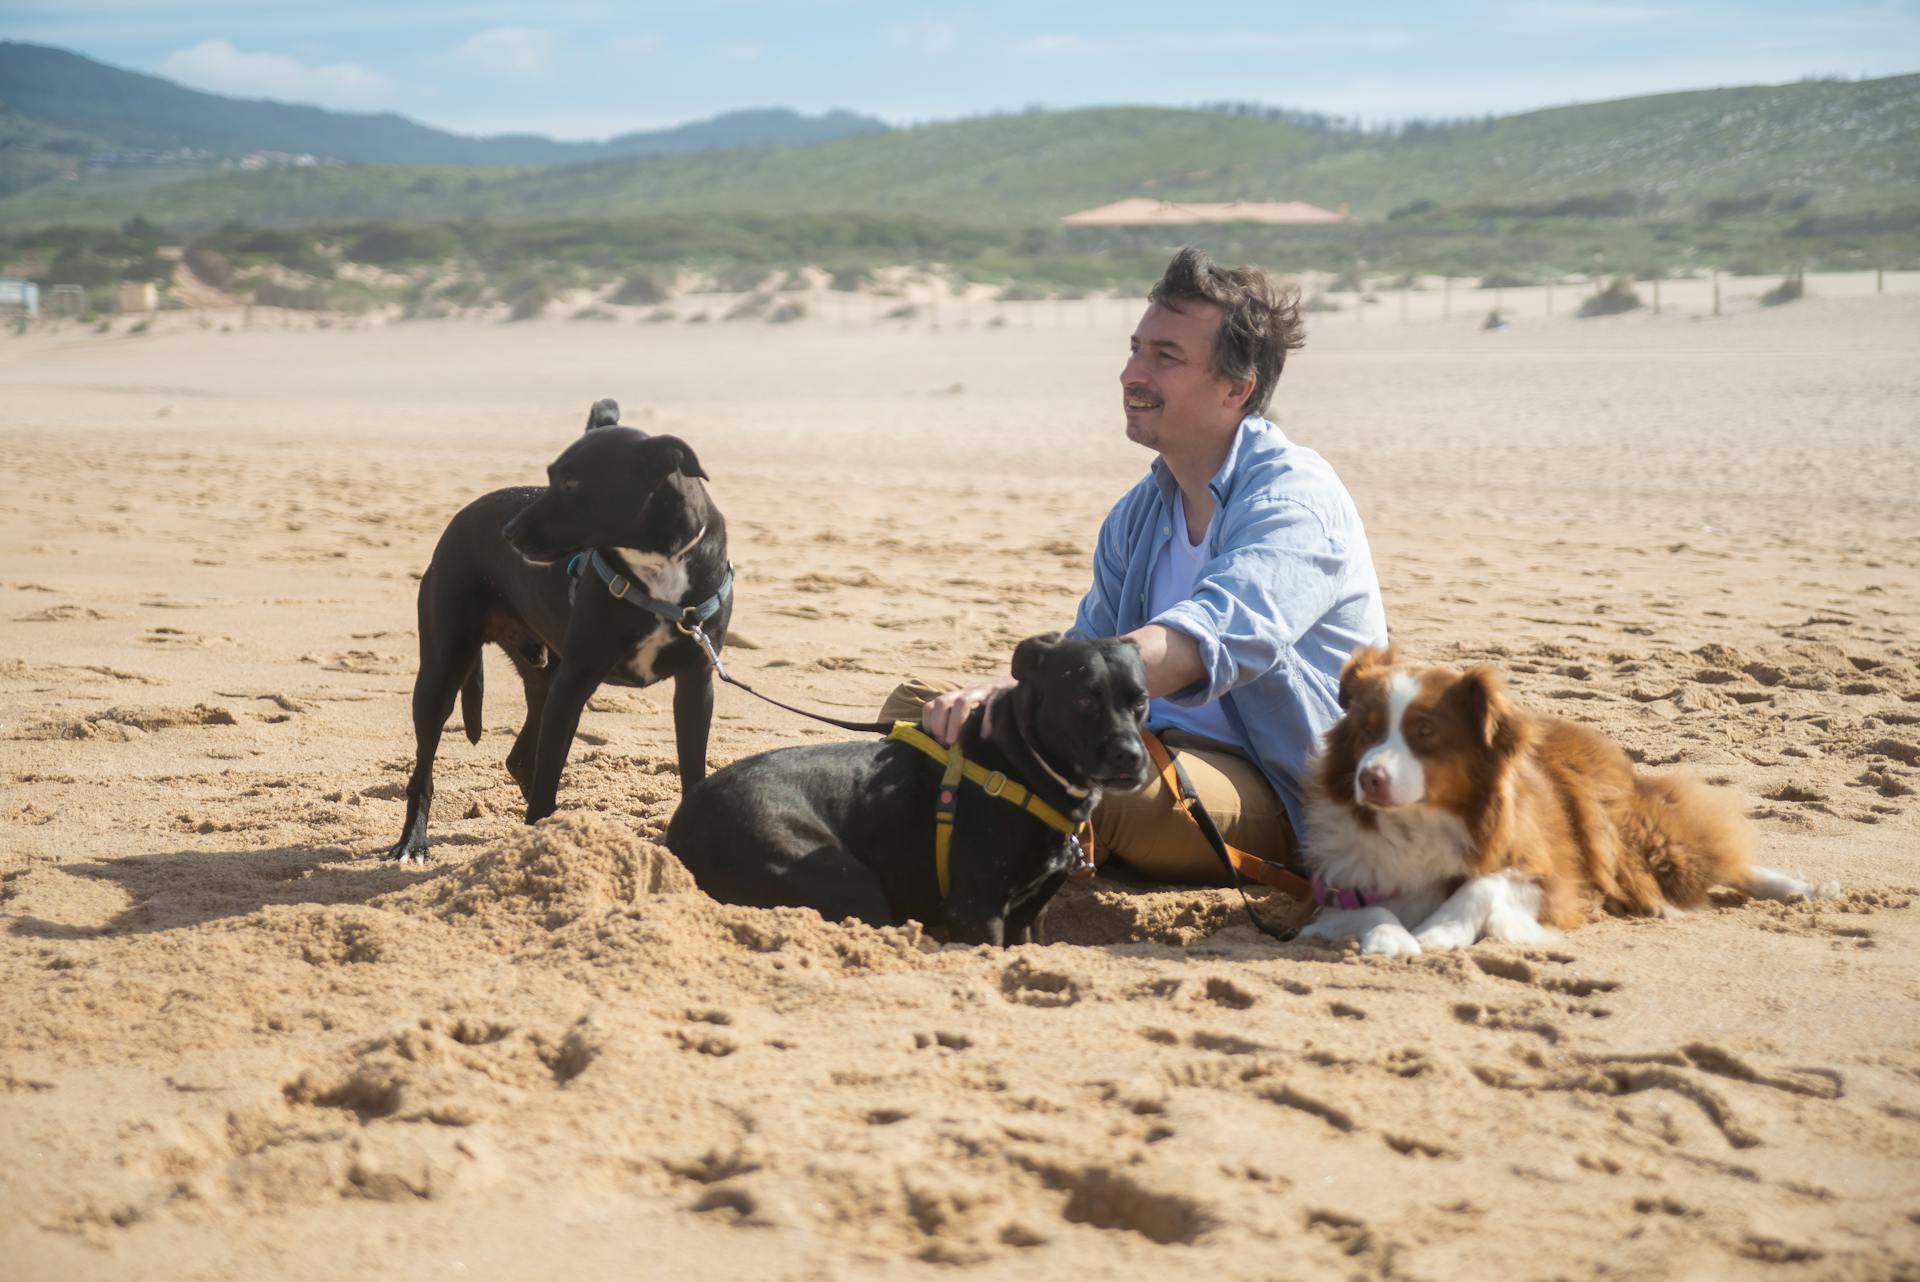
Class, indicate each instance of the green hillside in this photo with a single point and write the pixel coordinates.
(1833, 147)
(107, 116)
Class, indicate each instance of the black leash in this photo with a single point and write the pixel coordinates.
(1211, 832)
(692, 628)
(872, 727)
(687, 619)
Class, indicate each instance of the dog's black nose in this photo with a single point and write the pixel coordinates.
(1125, 756)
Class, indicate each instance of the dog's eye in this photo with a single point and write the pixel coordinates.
(1084, 703)
(1420, 731)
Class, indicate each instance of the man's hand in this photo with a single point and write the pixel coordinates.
(944, 715)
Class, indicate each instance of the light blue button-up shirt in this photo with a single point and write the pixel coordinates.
(1288, 593)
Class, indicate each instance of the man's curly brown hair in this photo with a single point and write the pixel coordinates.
(1259, 318)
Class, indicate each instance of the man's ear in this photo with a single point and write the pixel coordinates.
(663, 455)
(1031, 653)
(1359, 666)
(605, 413)
(1240, 391)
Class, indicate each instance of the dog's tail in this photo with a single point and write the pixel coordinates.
(605, 413)
(470, 692)
(1690, 837)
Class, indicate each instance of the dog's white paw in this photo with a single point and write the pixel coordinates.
(1446, 936)
(1771, 883)
(1389, 939)
(1519, 928)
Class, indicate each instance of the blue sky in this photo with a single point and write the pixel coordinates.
(591, 68)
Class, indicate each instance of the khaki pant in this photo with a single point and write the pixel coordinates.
(1145, 829)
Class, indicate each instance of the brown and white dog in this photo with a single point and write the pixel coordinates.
(1440, 814)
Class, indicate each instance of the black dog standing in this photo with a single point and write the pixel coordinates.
(848, 829)
(581, 583)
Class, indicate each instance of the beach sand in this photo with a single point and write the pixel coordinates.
(234, 1044)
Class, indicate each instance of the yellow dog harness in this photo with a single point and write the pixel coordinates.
(992, 782)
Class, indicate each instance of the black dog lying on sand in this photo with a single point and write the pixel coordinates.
(848, 829)
(630, 511)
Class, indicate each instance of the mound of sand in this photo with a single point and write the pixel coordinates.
(562, 869)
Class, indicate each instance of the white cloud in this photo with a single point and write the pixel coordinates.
(1051, 44)
(737, 53)
(216, 65)
(1547, 17)
(930, 36)
(1386, 97)
(636, 45)
(519, 52)
(1367, 40)
(583, 125)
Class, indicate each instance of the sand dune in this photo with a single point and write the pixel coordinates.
(238, 1045)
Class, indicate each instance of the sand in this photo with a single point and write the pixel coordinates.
(235, 1044)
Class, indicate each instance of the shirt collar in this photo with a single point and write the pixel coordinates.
(1222, 482)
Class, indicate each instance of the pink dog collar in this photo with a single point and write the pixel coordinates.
(1329, 897)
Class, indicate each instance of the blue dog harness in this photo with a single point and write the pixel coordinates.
(687, 618)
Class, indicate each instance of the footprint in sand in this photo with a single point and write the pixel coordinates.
(1030, 985)
(360, 663)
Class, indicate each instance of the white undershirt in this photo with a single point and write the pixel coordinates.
(1175, 571)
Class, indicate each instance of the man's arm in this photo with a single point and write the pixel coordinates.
(1172, 658)
(1281, 572)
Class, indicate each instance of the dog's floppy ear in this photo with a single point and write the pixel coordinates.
(1499, 727)
(663, 455)
(1362, 662)
(1031, 653)
(605, 413)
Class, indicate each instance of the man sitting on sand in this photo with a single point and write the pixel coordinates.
(1239, 567)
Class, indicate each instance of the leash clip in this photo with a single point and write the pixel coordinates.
(699, 634)
(1083, 869)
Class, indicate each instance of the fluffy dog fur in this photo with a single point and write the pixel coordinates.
(1458, 816)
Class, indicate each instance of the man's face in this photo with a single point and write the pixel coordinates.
(1168, 389)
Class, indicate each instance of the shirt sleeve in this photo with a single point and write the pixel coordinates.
(1279, 573)
(1098, 616)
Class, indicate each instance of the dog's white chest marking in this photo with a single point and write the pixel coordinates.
(1405, 852)
(639, 664)
(1407, 778)
(663, 575)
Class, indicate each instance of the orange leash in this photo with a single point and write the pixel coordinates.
(1247, 864)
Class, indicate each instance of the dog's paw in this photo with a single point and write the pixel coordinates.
(1518, 928)
(1446, 936)
(1389, 939)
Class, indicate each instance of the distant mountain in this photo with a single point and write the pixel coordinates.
(124, 112)
(1814, 148)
